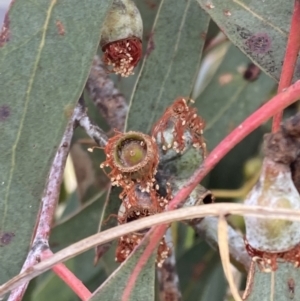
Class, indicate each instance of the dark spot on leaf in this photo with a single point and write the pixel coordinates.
(259, 43)
(5, 32)
(252, 73)
(209, 5)
(6, 238)
(226, 13)
(198, 270)
(60, 28)
(291, 288)
(151, 4)
(243, 32)
(4, 112)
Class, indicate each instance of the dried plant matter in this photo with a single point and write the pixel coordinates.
(132, 158)
(183, 117)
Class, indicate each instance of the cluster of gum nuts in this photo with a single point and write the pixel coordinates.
(133, 159)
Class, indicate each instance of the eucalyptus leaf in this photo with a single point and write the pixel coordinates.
(229, 98)
(279, 285)
(47, 50)
(113, 287)
(259, 28)
(171, 63)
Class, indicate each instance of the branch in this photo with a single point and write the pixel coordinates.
(97, 134)
(144, 223)
(109, 101)
(208, 228)
(290, 59)
(168, 280)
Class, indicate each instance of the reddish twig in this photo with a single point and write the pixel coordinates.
(272, 107)
(68, 277)
(160, 231)
(290, 59)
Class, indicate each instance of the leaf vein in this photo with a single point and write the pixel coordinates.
(259, 17)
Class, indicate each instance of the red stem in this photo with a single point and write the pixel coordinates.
(290, 59)
(157, 234)
(272, 107)
(68, 277)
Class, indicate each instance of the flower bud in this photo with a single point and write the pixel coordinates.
(275, 189)
(121, 37)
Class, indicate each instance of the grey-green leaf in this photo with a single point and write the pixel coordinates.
(45, 57)
(258, 27)
(230, 98)
(279, 285)
(113, 287)
(171, 62)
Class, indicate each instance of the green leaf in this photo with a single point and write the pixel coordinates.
(229, 98)
(196, 266)
(44, 65)
(108, 220)
(171, 63)
(279, 285)
(259, 28)
(211, 291)
(81, 224)
(113, 287)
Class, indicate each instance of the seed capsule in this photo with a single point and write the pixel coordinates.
(121, 37)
